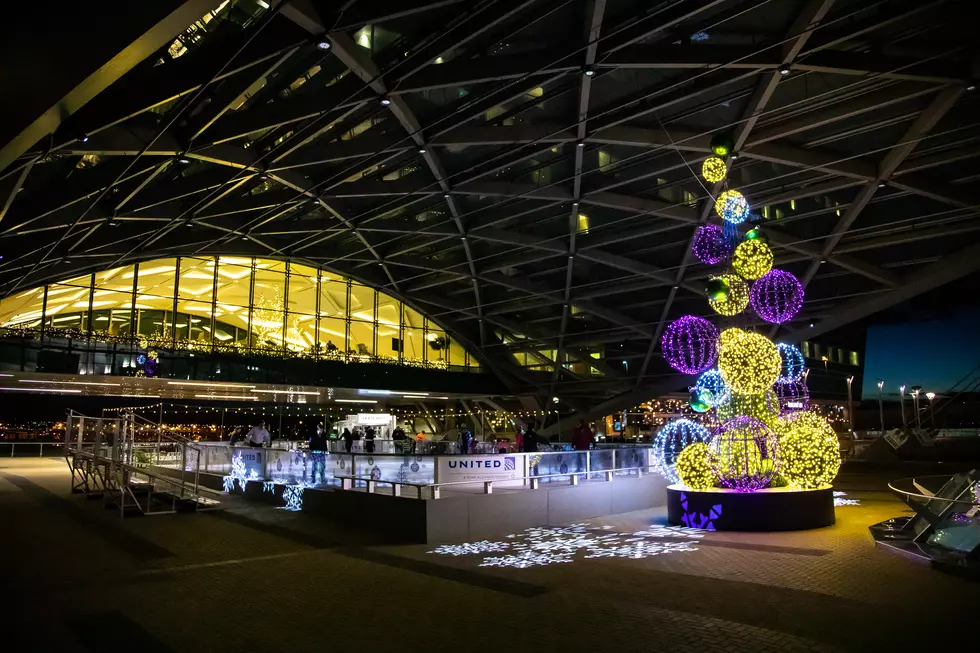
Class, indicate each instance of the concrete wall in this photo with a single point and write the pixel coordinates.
(481, 516)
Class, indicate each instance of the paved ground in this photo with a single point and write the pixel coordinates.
(78, 578)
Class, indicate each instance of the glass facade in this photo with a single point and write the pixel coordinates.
(234, 304)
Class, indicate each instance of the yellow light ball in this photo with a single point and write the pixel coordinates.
(763, 407)
(749, 363)
(810, 450)
(732, 206)
(713, 169)
(737, 298)
(752, 259)
(694, 466)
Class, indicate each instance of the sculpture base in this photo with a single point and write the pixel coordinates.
(776, 509)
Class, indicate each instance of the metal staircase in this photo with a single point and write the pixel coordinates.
(135, 465)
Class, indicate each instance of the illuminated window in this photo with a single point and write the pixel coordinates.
(853, 358)
(583, 223)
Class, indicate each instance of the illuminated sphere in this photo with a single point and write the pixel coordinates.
(777, 296)
(793, 363)
(713, 169)
(694, 468)
(745, 454)
(710, 244)
(671, 440)
(809, 450)
(732, 207)
(711, 382)
(793, 397)
(716, 288)
(700, 401)
(752, 259)
(689, 344)
(748, 361)
(763, 407)
(737, 298)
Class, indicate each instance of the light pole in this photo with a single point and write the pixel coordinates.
(850, 403)
(915, 403)
(881, 409)
(931, 396)
(901, 394)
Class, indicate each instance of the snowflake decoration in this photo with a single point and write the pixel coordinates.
(293, 496)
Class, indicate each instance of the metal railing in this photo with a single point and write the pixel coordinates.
(531, 482)
(11, 449)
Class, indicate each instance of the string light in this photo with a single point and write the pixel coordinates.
(737, 298)
(714, 169)
(777, 296)
(793, 397)
(688, 344)
(694, 467)
(745, 454)
(752, 259)
(732, 207)
(763, 407)
(792, 363)
(710, 245)
(749, 362)
(670, 440)
(717, 390)
(809, 449)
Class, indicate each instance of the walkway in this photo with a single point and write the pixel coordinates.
(258, 578)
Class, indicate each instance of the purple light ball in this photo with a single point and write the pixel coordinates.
(745, 454)
(689, 344)
(710, 245)
(792, 397)
(776, 296)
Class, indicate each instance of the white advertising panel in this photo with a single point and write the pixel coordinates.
(498, 467)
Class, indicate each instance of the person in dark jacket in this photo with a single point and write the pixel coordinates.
(532, 440)
(369, 439)
(348, 440)
(318, 449)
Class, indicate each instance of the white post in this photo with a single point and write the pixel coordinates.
(488, 487)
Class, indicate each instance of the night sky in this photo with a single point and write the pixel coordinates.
(935, 354)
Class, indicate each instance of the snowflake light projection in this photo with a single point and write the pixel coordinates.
(671, 440)
(748, 361)
(732, 207)
(752, 259)
(776, 296)
(745, 454)
(839, 500)
(688, 344)
(293, 496)
(711, 382)
(737, 298)
(792, 363)
(537, 547)
(710, 245)
(793, 397)
(810, 450)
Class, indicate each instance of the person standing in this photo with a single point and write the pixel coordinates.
(348, 440)
(318, 449)
(369, 439)
(258, 436)
(583, 438)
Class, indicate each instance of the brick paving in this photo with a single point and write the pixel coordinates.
(260, 579)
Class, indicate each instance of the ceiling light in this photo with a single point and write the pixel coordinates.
(971, 87)
(575, 203)
(225, 397)
(356, 401)
(263, 176)
(589, 72)
(286, 392)
(183, 160)
(84, 137)
(784, 70)
(245, 237)
(73, 382)
(881, 184)
(385, 101)
(734, 155)
(189, 224)
(66, 260)
(421, 150)
(112, 222)
(212, 385)
(60, 390)
(323, 44)
(581, 143)
(445, 196)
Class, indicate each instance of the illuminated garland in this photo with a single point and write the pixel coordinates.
(714, 169)
(763, 407)
(793, 397)
(694, 468)
(752, 259)
(718, 391)
(737, 298)
(749, 362)
(792, 363)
